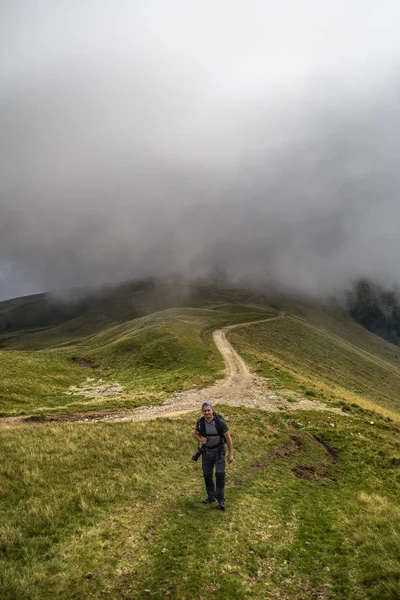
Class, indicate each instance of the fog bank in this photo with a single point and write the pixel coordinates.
(157, 138)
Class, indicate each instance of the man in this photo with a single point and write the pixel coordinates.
(211, 431)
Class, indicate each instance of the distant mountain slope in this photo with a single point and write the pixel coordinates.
(92, 310)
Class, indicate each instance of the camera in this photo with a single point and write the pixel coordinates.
(198, 454)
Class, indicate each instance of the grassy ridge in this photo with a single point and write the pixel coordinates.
(109, 305)
(312, 358)
(150, 357)
(113, 510)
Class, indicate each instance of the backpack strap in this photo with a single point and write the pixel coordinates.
(202, 427)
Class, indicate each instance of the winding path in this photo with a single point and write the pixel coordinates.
(239, 388)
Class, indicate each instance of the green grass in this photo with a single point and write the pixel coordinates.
(151, 357)
(337, 322)
(28, 379)
(114, 511)
(299, 356)
(91, 511)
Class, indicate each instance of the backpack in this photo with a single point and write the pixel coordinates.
(218, 425)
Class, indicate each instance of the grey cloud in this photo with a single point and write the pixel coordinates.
(169, 137)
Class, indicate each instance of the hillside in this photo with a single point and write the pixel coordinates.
(331, 367)
(333, 318)
(146, 360)
(91, 310)
(112, 509)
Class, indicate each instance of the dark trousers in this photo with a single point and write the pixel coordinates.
(216, 458)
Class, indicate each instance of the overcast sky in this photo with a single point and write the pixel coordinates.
(255, 138)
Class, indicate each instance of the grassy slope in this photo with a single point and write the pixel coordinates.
(29, 380)
(337, 322)
(114, 511)
(150, 357)
(310, 358)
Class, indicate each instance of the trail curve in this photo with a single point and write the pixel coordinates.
(239, 387)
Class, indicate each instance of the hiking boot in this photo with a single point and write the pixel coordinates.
(221, 504)
(208, 500)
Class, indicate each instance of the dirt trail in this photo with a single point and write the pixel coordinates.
(238, 388)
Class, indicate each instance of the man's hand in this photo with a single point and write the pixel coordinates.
(230, 447)
(199, 437)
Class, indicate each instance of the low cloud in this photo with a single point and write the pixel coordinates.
(159, 138)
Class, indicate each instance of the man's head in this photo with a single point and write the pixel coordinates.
(208, 411)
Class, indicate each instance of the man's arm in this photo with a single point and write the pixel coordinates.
(230, 446)
(199, 437)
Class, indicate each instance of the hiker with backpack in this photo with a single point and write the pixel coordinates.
(212, 431)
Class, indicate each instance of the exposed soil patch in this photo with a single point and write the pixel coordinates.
(82, 417)
(330, 450)
(82, 362)
(311, 472)
(238, 482)
(320, 471)
(292, 446)
(288, 449)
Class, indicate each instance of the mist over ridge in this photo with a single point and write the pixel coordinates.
(259, 142)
